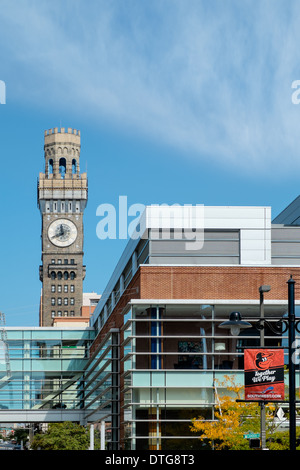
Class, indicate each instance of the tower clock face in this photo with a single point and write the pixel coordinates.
(62, 232)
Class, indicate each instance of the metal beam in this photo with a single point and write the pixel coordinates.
(49, 416)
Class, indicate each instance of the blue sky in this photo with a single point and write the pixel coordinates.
(178, 101)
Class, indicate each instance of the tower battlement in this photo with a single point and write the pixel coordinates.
(61, 136)
(62, 130)
(62, 152)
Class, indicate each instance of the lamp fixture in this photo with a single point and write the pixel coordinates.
(235, 323)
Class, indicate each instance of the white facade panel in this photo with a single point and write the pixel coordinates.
(237, 217)
(255, 247)
(254, 224)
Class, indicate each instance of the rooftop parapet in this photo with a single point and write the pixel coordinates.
(46, 182)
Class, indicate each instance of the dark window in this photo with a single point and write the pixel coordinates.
(62, 167)
(50, 166)
(74, 166)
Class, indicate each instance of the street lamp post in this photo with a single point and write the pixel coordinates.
(292, 373)
(262, 290)
(291, 325)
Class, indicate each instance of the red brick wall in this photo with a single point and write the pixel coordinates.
(227, 282)
(203, 282)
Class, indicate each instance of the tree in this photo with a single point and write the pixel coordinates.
(19, 435)
(62, 436)
(232, 420)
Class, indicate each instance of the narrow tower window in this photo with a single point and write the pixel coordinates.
(74, 166)
(62, 167)
(50, 166)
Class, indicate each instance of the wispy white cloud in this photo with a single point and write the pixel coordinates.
(212, 78)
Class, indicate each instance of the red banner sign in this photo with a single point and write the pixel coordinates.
(264, 374)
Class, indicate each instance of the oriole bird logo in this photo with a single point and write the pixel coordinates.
(263, 360)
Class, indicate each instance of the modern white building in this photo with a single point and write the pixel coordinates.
(153, 353)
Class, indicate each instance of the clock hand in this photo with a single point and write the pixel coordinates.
(60, 233)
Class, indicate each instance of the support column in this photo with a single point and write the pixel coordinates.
(102, 436)
(115, 411)
(91, 437)
(156, 341)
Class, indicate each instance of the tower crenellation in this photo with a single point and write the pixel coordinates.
(62, 130)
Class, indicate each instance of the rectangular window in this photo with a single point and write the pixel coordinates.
(72, 261)
(53, 261)
(72, 289)
(65, 288)
(72, 313)
(65, 313)
(53, 301)
(72, 301)
(53, 313)
(59, 313)
(59, 301)
(66, 261)
(59, 261)
(59, 288)
(52, 288)
(65, 301)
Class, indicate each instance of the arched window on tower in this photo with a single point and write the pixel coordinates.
(66, 275)
(50, 166)
(72, 275)
(62, 167)
(74, 166)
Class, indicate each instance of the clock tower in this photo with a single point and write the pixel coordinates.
(62, 198)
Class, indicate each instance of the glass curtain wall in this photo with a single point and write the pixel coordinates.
(41, 367)
(100, 389)
(176, 361)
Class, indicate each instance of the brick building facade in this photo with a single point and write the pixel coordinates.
(163, 306)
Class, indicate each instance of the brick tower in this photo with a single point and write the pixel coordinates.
(62, 198)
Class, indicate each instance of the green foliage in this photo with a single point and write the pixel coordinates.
(232, 420)
(280, 440)
(62, 436)
(19, 435)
